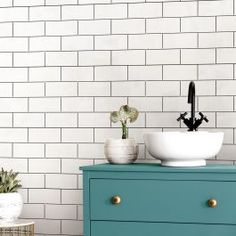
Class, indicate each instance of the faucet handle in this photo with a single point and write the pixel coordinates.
(203, 117)
(182, 116)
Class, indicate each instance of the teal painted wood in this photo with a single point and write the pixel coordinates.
(86, 203)
(163, 201)
(170, 194)
(159, 229)
(139, 167)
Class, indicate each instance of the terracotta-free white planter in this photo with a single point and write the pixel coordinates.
(10, 206)
(121, 151)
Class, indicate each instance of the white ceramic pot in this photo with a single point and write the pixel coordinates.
(121, 151)
(10, 206)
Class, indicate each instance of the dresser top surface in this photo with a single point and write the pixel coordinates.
(152, 167)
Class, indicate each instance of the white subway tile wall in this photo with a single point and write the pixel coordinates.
(65, 64)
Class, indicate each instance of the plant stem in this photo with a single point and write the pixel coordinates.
(124, 131)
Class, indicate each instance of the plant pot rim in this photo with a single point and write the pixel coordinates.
(120, 142)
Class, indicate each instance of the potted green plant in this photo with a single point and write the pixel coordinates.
(124, 150)
(10, 200)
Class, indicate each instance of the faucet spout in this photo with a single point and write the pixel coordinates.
(191, 99)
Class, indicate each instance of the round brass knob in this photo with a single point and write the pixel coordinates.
(212, 203)
(116, 200)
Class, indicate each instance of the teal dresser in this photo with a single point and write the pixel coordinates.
(150, 200)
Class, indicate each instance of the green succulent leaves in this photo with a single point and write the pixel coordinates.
(124, 115)
(8, 181)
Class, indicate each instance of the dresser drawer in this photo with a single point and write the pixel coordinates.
(162, 201)
(102, 228)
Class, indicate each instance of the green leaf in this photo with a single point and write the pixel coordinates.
(114, 117)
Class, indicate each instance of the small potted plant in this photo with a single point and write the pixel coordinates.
(10, 200)
(124, 150)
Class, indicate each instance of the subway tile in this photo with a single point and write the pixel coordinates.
(43, 226)
(94, 27)
(180, 40)
(74, 43)
(6, 29)
(72, 227)
(33, 211)
(6, 120)
(226, 119)
(44, 44)
(60, 2)
(77, 12)
(44, 74)
(28, 120)
(160, 120)
(227, 87)
(13, 44)
(146, 41)
(109, 103)
(163, 57)
(44, 166)
(132, 57)
(19, 165)
(28, 29)
(61, 150)
(145, 72)
(44, 196)
(226, 23)
(44, 104)
(209, 40)
(197, 56)
(163, 88)
(61, 28)
(226, 55)
(94, 120)
(32, 180)
(94, 89)
(44, 13)
(70, 166)
(109, 11)
(28, 89)
(203, 88)
(46, 135)
(227, 152)
(198, 24)
(13, 14)
(180, 9)
(163, 25)
(61, 58)
(77, 73)
(61, 211)
(61, 89)
(128, 26)
(131, 88)
(145, 10)
(111, 42)
(110, 73)
(13, 74)
(71, 196)
(29, 59)
(6, 90)
(102, 134)
(21, 3)
(176, 104)
(6, 59)
(61, 120)
(216, 103)
(77, 135)
(61, 181)
(213, 8)
(28, 150)
(76, 104)
(94, 58)
(5, 150)
(180, 72)
(90, 151)
(13, 104)
(146, 103)
(207, 72)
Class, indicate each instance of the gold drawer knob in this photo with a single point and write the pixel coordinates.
(212, 203)
(116, 200)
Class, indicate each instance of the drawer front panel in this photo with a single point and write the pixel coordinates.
(101, 228)
(163, 201)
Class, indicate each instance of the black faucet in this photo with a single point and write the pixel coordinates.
(192, 123)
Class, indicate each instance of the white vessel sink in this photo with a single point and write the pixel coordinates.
(183, 148)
